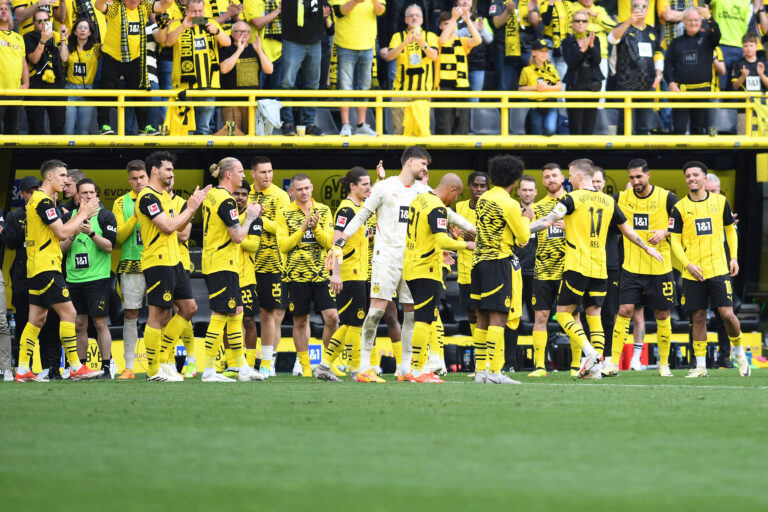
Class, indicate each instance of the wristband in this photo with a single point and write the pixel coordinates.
(91, 234)
(340, 243)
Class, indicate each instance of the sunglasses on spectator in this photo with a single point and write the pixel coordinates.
(42, 21)
(580, 21)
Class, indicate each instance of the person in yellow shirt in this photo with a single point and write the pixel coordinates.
(82, 64)
(196, 57)
(24, 11)
(698, 223)
(540, 75)
(247, 274)
(124, 54)
(13, 62)
(355, 41)
(304, 234)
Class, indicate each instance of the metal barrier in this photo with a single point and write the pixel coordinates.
(379, 100)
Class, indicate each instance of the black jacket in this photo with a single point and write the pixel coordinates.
(583, 67)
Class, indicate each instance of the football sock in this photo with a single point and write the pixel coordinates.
(266, 356)
(539, 349)
(171, 333)
(68, 337)
(664, 339)
(596, 333)
(407, 339)
(370, 325)
(495, 345)
(738, 347)
(421, 333)
(436, 333)
(620, 334)
(29, 338)
(250, 357)
(188, 338)
(700, 351)
(130, 338)
(576, 335)
(230, 356)
(304, 361)
(637, 351)
(333, 349)
(152, 345)
(397, 352)
(213, 337)
(235, 338)
(352, 342)
(376, 356)
(481, 349)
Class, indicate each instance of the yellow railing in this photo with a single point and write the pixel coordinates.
(380, 100)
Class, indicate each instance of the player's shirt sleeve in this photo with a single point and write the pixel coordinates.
(671, 202)
(343, 217)
(257, 227)
(727, 214)
(675, 221)
(618, 216)
(374, 200)
(227, 212)
(108, 225)
(564, 206)
(150, 205)
(438, 220)
(47, 211)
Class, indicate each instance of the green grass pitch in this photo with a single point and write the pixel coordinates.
(635, 442)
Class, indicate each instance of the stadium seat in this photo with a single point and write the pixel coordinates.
(606, 121)
(324, 121)
(517, 117)
(725, 120)
(485, 121)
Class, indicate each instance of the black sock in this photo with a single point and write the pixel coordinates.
(83, 360)
(359, 125)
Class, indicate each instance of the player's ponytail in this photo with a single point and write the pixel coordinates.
(352, 178)
(218, 170)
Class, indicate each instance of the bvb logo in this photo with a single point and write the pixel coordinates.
(682, 300)
(507, 302)
(360, 314)
(65, 292)
(167, 296)
(231, 304)
(291, 307)
(331, 192)
(533, 301)
(376, 288)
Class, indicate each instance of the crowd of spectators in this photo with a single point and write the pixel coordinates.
(406, 45)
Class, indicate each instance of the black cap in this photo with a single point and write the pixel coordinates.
(540, 44)
(28, 182)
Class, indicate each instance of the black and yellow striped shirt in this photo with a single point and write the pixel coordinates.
(305, 252)
(272, 198)
(500, 225)
(550, 244)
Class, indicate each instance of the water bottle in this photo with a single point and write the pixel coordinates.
(749, 355)
(12, 326)
(467, 359)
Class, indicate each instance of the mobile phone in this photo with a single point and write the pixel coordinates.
(199, 20)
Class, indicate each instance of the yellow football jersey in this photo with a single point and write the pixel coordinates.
(646, 215)
(43, 251)
(160, 250)
(246, 257)
(272, 198)
(219, 214)
(305, 252)
(179, 205)
(588, 216)
(500, 225)
(550, 244)
(464, 256)
(354, 264)
(700, 226)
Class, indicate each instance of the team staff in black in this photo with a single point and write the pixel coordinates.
(688, 67)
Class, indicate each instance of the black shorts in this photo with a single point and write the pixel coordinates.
(223, 291)
(464, 296)
(250, 300)
(657, 292)
(91, 298)
(491, 286)
(167, 284)
(576, 288)
(544, 295)
(351, 303)
(426, 297)
(302, 294)
(48, 288)
(716, 292)
(271, 291)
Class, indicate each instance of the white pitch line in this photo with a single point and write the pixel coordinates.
(605, 385)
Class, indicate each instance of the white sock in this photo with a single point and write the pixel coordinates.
(738, 351)
(588, 349)
(637, 351)
(22, 370)
(368, 336)
(208, 372)
(701, 361)
(267, 352)
(74, 367)
(607, 359)
(191, 359)
(407, 340)
(130, 338)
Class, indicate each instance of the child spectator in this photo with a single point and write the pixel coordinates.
(540, 75)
